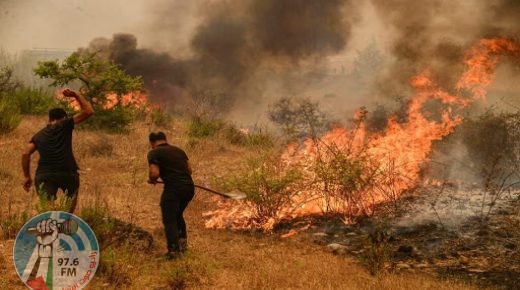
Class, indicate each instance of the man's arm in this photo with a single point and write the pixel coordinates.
(154, 173)
(86, 109)
(26, 165)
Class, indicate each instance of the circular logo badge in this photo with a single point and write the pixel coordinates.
(56, 250)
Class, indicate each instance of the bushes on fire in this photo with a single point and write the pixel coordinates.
(267, 184)
(97, 79)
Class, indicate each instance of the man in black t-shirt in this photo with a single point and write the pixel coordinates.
(57, 166)
(171, 164)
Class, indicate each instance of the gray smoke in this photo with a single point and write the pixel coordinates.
(434, 35)
(237, 55)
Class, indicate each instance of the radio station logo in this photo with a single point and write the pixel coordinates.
(56, 250)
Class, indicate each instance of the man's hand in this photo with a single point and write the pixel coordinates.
(86, 109)
(26, 165)
(70, 94)
(27, 184)
(47, 234)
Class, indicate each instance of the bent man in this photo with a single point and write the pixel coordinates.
(171, 164)
(57, 167)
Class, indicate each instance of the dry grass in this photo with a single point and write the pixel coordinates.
(217, 259)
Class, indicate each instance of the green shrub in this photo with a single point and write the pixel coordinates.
(63, 203)
(377, 251)
(115, 120)
(112, 232)
(259, 139)
(266, 183)
(160, 117)
(34, 100)
(12, 224)
(237, 137)
(176, 278)
(203, 127)
(97, 218)
(191, 271)
(10, 116)
(116, 266)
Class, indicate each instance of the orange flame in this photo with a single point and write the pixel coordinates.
(132, 99)
(392, 158)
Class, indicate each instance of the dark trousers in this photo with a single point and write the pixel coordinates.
(173, 204)
(47, 185)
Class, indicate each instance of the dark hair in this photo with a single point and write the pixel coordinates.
(157, 136)
(57, 114)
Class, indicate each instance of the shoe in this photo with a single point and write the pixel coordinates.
(183, 243)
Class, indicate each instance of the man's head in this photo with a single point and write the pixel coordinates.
(156, 138)
(57, 114)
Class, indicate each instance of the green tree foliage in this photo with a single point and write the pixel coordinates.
(97, 78)
(9, 112)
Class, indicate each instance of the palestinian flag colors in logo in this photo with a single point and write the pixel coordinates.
(56, 250)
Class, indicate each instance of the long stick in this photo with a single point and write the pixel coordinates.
(213, 191)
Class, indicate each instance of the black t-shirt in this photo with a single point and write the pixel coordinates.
(54, 143)
(173, 166)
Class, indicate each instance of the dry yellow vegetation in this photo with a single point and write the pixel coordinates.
(114, 171)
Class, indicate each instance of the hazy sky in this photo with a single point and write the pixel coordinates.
(69, 24)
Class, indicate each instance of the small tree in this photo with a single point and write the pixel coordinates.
(299, 117)
(98, 79)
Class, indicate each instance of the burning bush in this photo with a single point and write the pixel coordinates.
(351, 171)
(269, 187)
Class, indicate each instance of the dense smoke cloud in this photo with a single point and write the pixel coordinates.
(434, 35)
(251, 52)
(234, 54)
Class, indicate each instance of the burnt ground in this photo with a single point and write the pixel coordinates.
(485, 253)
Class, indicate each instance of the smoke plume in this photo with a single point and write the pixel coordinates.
(238, 55)
(434, 34)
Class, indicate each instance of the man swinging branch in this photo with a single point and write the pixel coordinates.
(57, 167)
